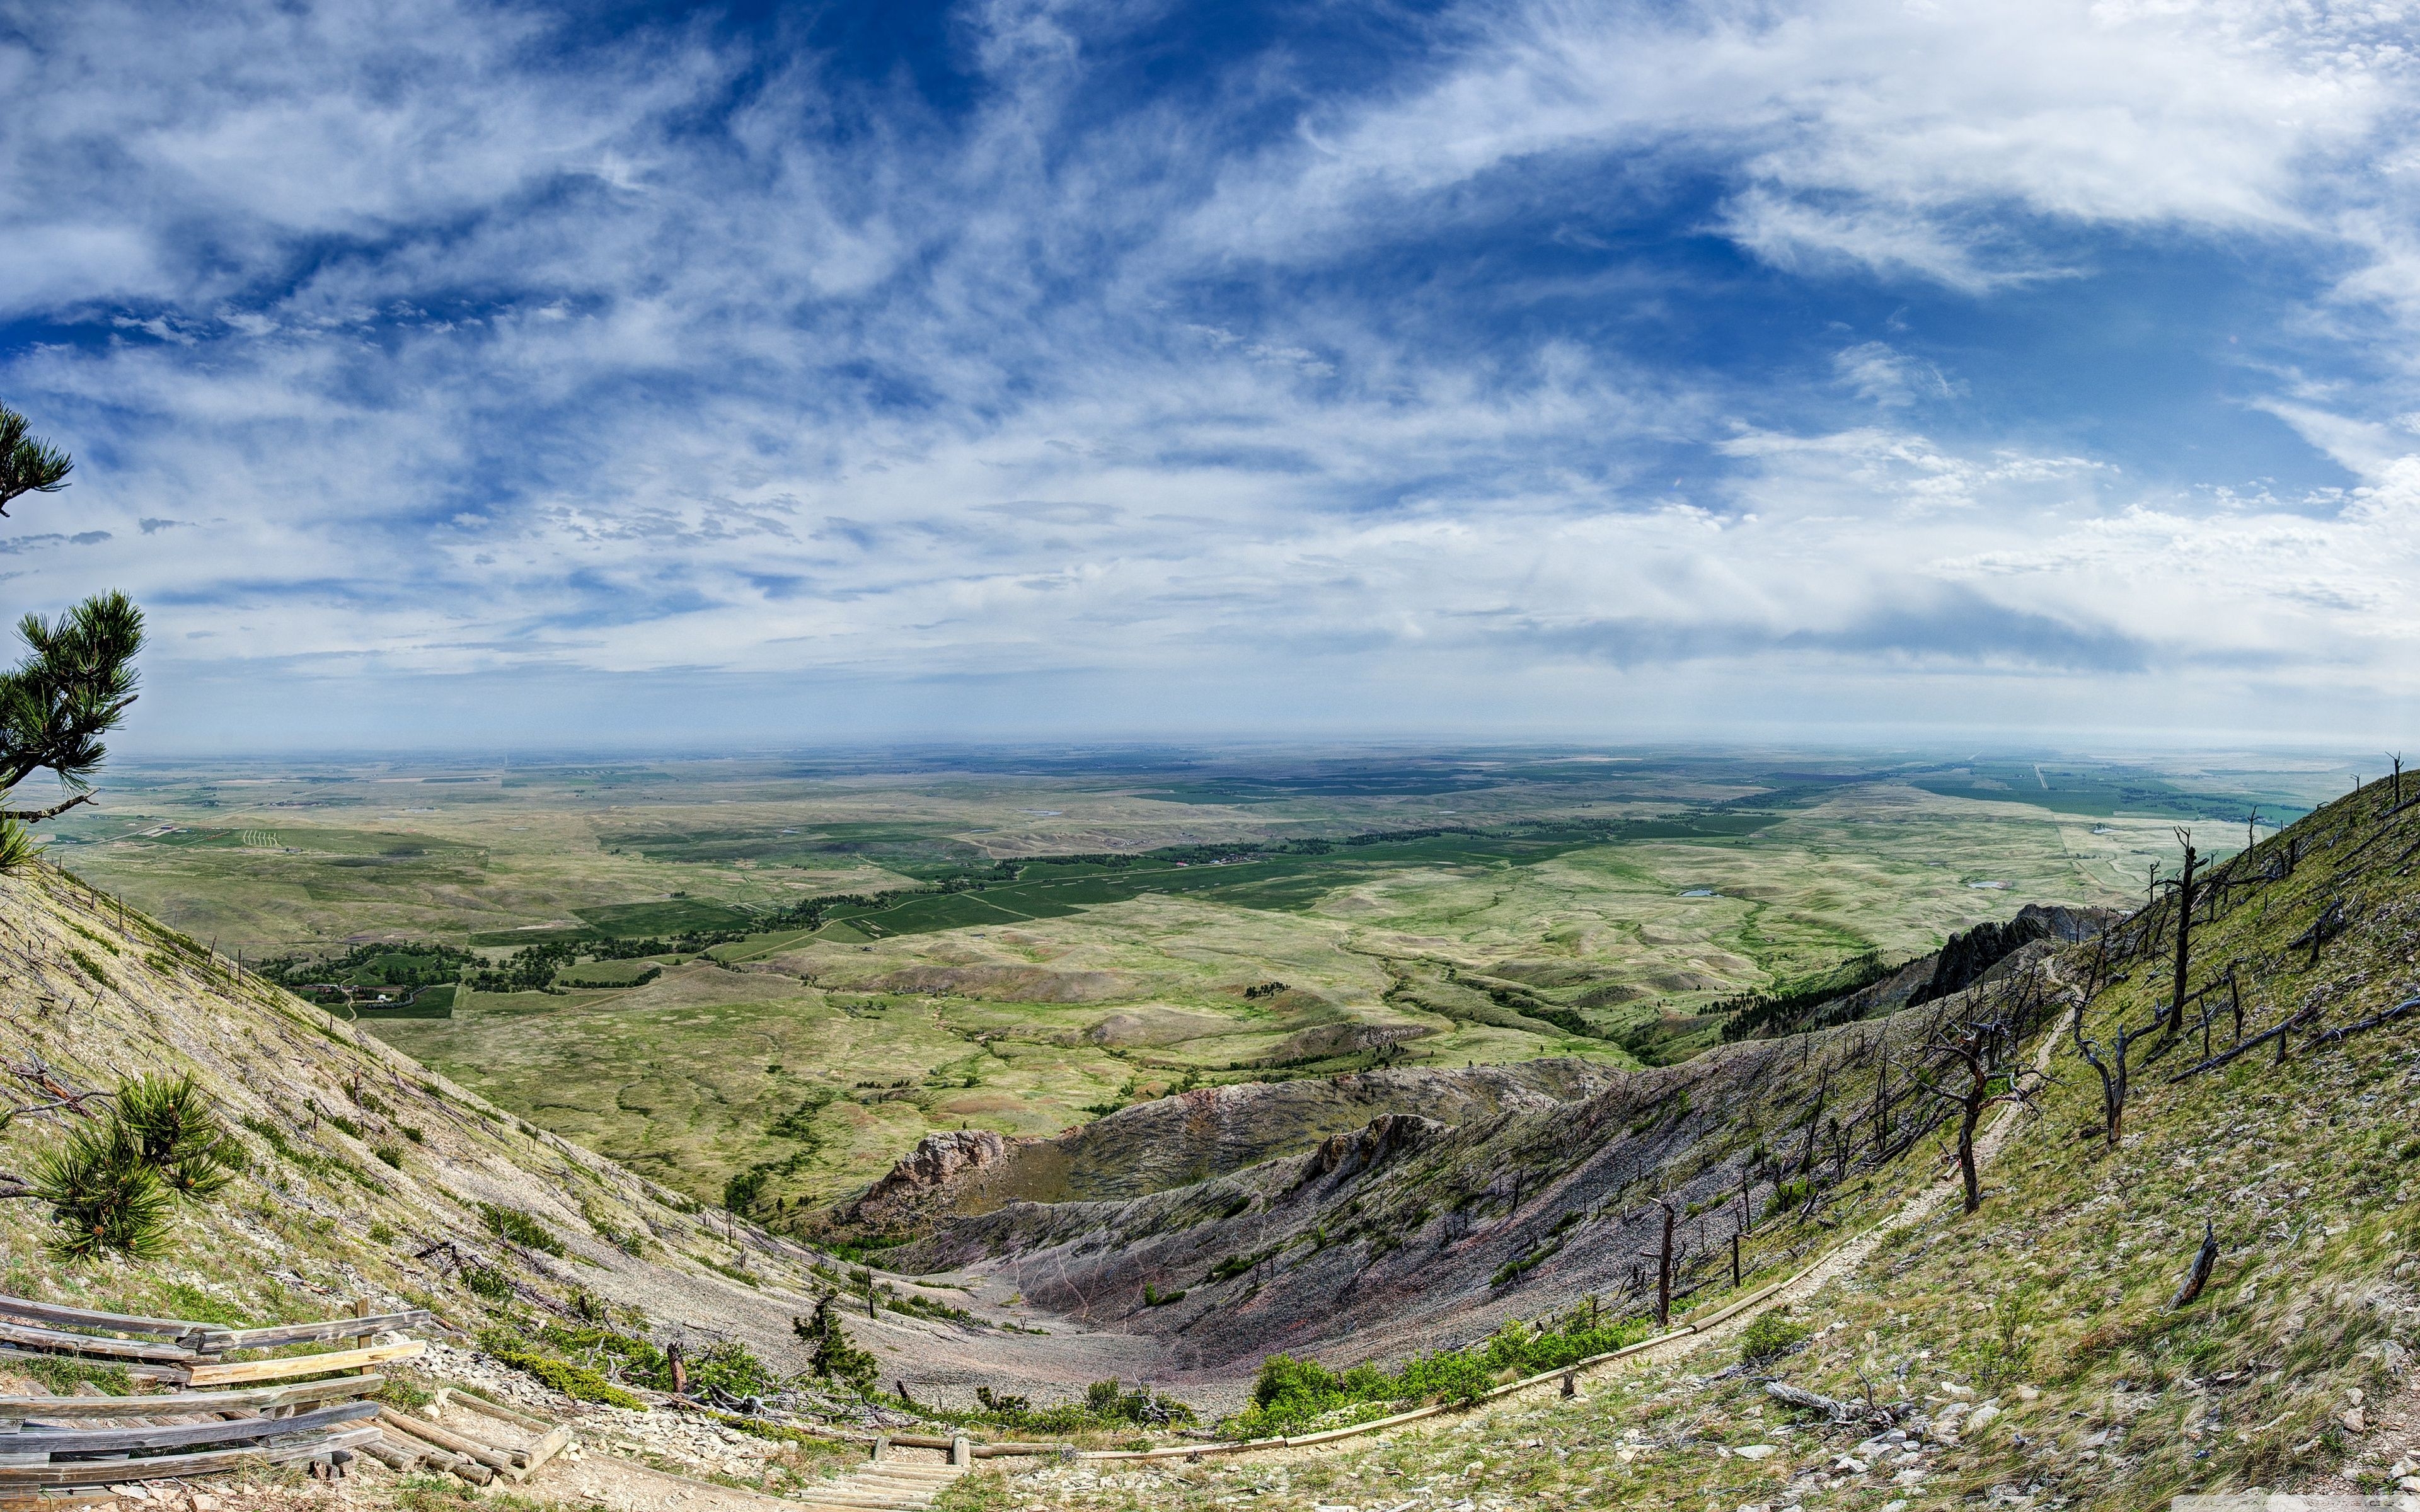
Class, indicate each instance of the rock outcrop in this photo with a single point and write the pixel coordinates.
(938, 1162)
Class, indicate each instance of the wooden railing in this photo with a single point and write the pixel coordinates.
(66, 1441)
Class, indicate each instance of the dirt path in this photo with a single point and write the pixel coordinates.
(1848, 1257)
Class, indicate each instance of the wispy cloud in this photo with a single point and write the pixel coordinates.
(1487, 349)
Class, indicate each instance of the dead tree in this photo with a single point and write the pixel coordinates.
(1881, 1097)
(1815, 1121)
(2184, 934)
(1662, 1255)
(1976, 1050)
(2199, 1276)
(2113, 1072)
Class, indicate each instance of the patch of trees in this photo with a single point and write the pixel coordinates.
(529, 970)
(1761, 1015)
(410, 964)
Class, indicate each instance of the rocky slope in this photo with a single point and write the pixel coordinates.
(365, 1174)
(1174, 1141)
(1412, 1234)
(2216, 1295)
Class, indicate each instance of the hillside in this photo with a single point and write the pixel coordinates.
(2033, 1352)
(2027, 1352)
(362, 1174)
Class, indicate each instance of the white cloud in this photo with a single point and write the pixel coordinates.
(472, 360)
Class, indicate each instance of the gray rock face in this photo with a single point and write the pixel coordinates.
(1198, 1135)
(937, 1161)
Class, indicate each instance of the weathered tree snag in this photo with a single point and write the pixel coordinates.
(2278, 1033)
(2199, 1276)
(1664, 1268)
(2114, 1073)
(1976, 1050)
(1881, 1097)
(1814, 1122)
(2184, 934)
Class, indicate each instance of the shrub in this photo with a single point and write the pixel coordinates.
(520, 1228)
(745, 1188)
(731, 1367)
(1154, 1297)
(573, 1381)
(103, 1196)
(170, 1119)
(113, 1186)
(392, 1155)
(488, 1282)
(1770, 1338)
(835, 1357)
(1289, 1394)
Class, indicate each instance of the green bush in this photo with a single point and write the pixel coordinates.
(1770, 1338)
(113, 1186)
(835, 1357)
(488, 1282)
(573, 1381)
(520, 1228)
(103, 1196)
(392, 1155)
(1290, 1394)
(730, 1367)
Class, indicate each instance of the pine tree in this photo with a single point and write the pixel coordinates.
(78, 676)
(115, 1186)
(835, 1358)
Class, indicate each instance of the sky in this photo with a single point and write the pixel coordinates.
(492, 374)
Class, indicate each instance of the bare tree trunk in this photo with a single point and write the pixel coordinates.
(1814, 1123)
(2199, 1276)
(1881, 1100)
(1971, 1110)
(1664, 1270)
(2185, 937)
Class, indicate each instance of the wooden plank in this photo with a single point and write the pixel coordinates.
(52, 1312)
(554, 1443)
(27, 1336)
(55, 1442)
(221, 1340)
(513, 1444)
(210, 1462)
(450, 1395)
(136, 1368)
(13, 1409)
(303, 1364)
(495, 1459)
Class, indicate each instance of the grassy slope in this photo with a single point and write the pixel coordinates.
(2051, 1302)
(319, 1217)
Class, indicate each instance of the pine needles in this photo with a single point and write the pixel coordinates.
(115, 1186)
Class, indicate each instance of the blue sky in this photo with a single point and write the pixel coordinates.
(473, 374)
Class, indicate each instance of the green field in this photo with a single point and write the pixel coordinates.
(1046, 937)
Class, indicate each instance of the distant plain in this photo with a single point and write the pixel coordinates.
(1214, 917)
